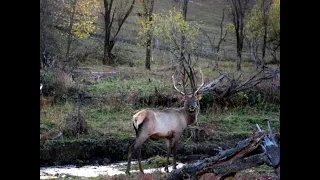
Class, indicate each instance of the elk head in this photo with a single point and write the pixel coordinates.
(191, 101)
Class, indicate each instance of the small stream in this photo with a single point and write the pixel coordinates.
(92, 170)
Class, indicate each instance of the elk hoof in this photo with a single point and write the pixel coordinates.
(166, 169)
(174, 167)
(127, 172)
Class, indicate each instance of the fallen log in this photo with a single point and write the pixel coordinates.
(210, 86)
(230, 161)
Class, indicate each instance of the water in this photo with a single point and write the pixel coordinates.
(92, 171)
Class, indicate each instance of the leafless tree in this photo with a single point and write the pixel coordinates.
(120, 9)
(265, 7)
(253, 48)
(222, 37)
(239, 9)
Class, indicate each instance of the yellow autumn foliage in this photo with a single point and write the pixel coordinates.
(168, 27)
(83, 14)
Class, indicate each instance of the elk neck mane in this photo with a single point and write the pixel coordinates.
(190, 116)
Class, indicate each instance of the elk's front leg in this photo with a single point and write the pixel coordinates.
(168, 141)
(175, 142)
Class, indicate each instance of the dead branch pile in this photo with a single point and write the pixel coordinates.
(76, 123)
(226, 85)
(230, 161)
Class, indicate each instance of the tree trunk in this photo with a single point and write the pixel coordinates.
(252, 44)
(184, 9)
(148, 6)
(69, 40)
(108, 57)
(184, 13)
(109, 42)
(238, 68)
(148, 51)
(222, 38)
(238, 9)
(264, 45)
(265, 8)
(105, 59)
(106, 47)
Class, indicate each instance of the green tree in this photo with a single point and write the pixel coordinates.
(170, 28)
(77, 19)
(265, 7)
(273, 43)
(263, 22)
(253, 31)
(145, 22)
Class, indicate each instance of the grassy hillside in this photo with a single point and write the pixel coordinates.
(206, 12)
(114, 99)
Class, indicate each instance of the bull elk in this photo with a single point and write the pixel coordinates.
(167, 124)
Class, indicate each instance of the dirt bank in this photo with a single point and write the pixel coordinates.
(105, 150)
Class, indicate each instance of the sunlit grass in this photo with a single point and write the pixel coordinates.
(241, 120)
(114, 122)
(51, 116)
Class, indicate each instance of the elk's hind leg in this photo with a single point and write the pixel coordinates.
(140, 139)
(139, 160)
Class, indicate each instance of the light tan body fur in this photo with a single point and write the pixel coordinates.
(161, 124)
(167, 124)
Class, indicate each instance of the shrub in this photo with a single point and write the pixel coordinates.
(59, 84)
(75, 124)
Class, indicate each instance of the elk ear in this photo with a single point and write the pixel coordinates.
(199, 97)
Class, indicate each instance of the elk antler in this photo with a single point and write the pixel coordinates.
(201, 83)
(175, 86)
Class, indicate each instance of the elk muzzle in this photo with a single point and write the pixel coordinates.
(192, 108)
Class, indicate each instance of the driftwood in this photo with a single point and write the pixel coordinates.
(230, 161)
